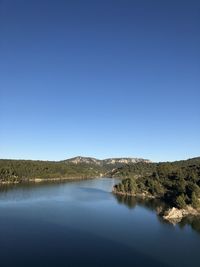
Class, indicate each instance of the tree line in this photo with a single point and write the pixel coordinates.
(20, 170)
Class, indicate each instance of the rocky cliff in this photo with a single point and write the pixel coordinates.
(111, 161)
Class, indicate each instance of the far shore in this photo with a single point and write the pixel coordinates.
(40, 180)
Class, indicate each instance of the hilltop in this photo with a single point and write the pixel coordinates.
(113, 161)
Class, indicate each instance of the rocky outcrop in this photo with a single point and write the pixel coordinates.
(175, 215)
(109, 161)
(125, 160)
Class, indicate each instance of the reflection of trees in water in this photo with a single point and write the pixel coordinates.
(128, 201)
(30, 185)
(132, 202)
(194, 222)
(156, 205)
(7, 187)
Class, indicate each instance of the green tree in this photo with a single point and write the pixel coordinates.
(121, 187)
(195, 201)
(181, 184)
(180, 202)
(132, 185)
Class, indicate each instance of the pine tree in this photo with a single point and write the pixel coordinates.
(180, 202)
(195, 201)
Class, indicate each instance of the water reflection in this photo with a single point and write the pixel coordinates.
(81, 223)
(194, 223)
(156, 205)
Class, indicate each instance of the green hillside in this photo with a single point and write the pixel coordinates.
(177, 183)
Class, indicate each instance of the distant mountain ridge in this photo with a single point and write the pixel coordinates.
(16, 171)
(111, 161)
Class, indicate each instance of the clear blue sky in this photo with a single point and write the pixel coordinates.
(99, 78)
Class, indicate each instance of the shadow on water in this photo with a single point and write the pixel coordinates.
(194, 223)
(156, 205)
(65, 246)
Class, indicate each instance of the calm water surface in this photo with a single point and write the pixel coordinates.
(83, 224)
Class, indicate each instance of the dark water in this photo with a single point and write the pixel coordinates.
(83, 224)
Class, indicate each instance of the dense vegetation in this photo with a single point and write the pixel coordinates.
(23, 170)
(177, 183)
(134, 170)
(19, 170)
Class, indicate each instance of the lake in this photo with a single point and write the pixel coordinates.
(81, 223)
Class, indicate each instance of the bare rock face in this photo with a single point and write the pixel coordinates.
(175, 215)
(125, 160)
(110, 161)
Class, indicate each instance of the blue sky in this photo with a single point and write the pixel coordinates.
(99, 78)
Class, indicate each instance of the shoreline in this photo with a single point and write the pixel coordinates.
(40, 180)
(175, 215)
(139, 195)
(172, 214)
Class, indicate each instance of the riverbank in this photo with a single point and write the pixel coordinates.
(40, 180)
(173, 215)
(139, 195)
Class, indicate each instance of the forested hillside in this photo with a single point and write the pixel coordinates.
(79, 167)
(178, 183)
(19, 170)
